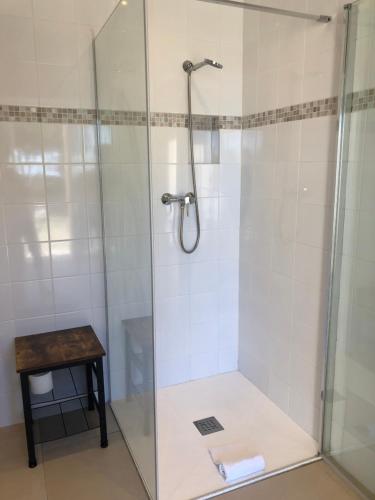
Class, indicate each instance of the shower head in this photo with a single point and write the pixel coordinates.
(189, 67)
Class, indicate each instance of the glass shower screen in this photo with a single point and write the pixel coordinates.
(349, 430)
(123, 145)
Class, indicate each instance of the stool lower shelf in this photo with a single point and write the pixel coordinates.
(65, 419)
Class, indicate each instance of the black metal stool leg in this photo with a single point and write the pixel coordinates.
(101, 401)
(28, 419)
(90, 387)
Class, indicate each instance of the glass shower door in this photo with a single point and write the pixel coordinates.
(349, 427)
(120, 51)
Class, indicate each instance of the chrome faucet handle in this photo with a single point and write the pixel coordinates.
(189, 200)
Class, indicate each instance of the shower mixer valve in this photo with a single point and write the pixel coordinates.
(185, 200)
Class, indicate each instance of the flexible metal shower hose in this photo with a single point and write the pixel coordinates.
(192, 164)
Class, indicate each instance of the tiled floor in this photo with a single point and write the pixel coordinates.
(77, 469)
(248, 417)
(68, 469)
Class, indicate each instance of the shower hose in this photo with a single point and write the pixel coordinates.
(193, 175)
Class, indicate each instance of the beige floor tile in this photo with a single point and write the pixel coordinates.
(313, 482)
(77, 468)
(17, 481)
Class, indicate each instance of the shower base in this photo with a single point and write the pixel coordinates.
(247, 415)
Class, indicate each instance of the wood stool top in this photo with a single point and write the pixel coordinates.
(53, 349)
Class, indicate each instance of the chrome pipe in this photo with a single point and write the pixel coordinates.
(272, 10)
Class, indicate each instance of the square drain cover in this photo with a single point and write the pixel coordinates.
(208, 426)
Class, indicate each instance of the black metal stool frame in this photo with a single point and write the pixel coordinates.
(94, 365)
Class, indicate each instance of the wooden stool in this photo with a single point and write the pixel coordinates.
(54, 351)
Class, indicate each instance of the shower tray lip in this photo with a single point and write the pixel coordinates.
(260, 477)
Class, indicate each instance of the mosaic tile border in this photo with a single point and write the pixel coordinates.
(304, 111)
(359, 101)
(109, 117)
(200, 122)
(356, 101)
(47, 115)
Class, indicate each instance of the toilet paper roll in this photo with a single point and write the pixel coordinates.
(41, 383)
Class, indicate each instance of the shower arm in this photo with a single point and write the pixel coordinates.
(272, 10)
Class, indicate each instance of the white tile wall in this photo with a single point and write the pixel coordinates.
(51, 262)
(196, 296)
(193, 30)
(204, 283)
(286, 208)
(50, 269)
(50, 41)
(289, 61)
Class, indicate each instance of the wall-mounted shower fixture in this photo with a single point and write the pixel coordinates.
(188, 66)
(272, 10)
(188, 199)
(184, 200)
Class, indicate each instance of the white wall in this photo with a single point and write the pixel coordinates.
(188, 29)
(51, 270)
(196, 295)
(286, 207)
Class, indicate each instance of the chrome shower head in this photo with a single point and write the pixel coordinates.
(189, 67)
(214, 64)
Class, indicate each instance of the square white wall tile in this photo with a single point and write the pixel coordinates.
(33, 298)
(204, 364)
(62, 143)
(23, 184)
(72, 294)
(65, 183)
(16, 39)
(70, 258)
(21, 143)
(59, 87)
(29, 261)
(56, 42)
(322, 132)
(15, 89)
(169, 145)
(26, 223)
(67, 221)
(230, 147)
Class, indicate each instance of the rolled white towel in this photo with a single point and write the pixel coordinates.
(235, 462)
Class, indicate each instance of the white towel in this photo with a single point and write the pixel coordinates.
(235, 462)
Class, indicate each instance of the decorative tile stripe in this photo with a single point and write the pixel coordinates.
(109, 117)
(227, 122)
(47, 115)
(200, 122)
(304, 111)
(359, 101)
(356, 101)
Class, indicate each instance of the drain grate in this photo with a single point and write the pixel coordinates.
(208, 426)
